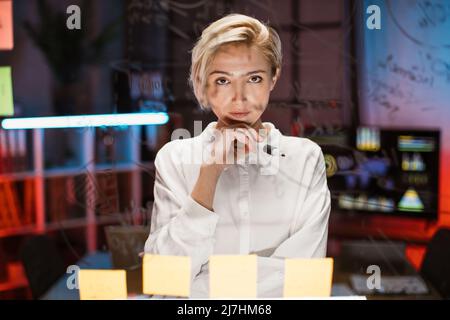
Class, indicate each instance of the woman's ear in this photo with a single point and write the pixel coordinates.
(275, 79)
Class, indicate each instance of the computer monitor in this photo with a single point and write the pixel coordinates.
(385, 171)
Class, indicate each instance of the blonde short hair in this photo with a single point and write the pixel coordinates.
(233, 28)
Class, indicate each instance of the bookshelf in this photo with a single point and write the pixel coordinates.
(27, 195)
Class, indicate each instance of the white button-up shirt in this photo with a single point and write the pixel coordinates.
(275, 205)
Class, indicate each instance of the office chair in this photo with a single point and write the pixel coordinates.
(436, 264)
(43, 264)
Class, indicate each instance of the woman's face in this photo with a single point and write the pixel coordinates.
(239, 82)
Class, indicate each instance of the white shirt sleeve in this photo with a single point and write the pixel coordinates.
(179, 225)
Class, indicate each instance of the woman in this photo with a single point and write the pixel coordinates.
(256, 191)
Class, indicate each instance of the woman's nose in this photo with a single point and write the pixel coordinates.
(239, 92)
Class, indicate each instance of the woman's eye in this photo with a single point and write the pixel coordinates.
(222, 81)
(255, 79)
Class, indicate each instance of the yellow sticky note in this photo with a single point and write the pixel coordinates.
(6, 94)
(308, 277)
(102, 284)
(167, 275)
(6, 25)
(233, 276)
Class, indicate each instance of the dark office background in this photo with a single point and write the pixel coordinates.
(336, 75)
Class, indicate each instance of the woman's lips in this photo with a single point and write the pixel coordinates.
(239, 114)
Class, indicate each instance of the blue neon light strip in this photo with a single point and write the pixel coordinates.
(100, 120)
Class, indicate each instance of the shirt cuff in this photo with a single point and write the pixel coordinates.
(203, 220)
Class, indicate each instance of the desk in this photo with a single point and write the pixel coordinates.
(342, 275)
(355, 256)
(341, 280)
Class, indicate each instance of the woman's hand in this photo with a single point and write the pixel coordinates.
(229, 144)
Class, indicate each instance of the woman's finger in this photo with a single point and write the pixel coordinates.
(247, 139)
(254, 134)
(240, 135)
